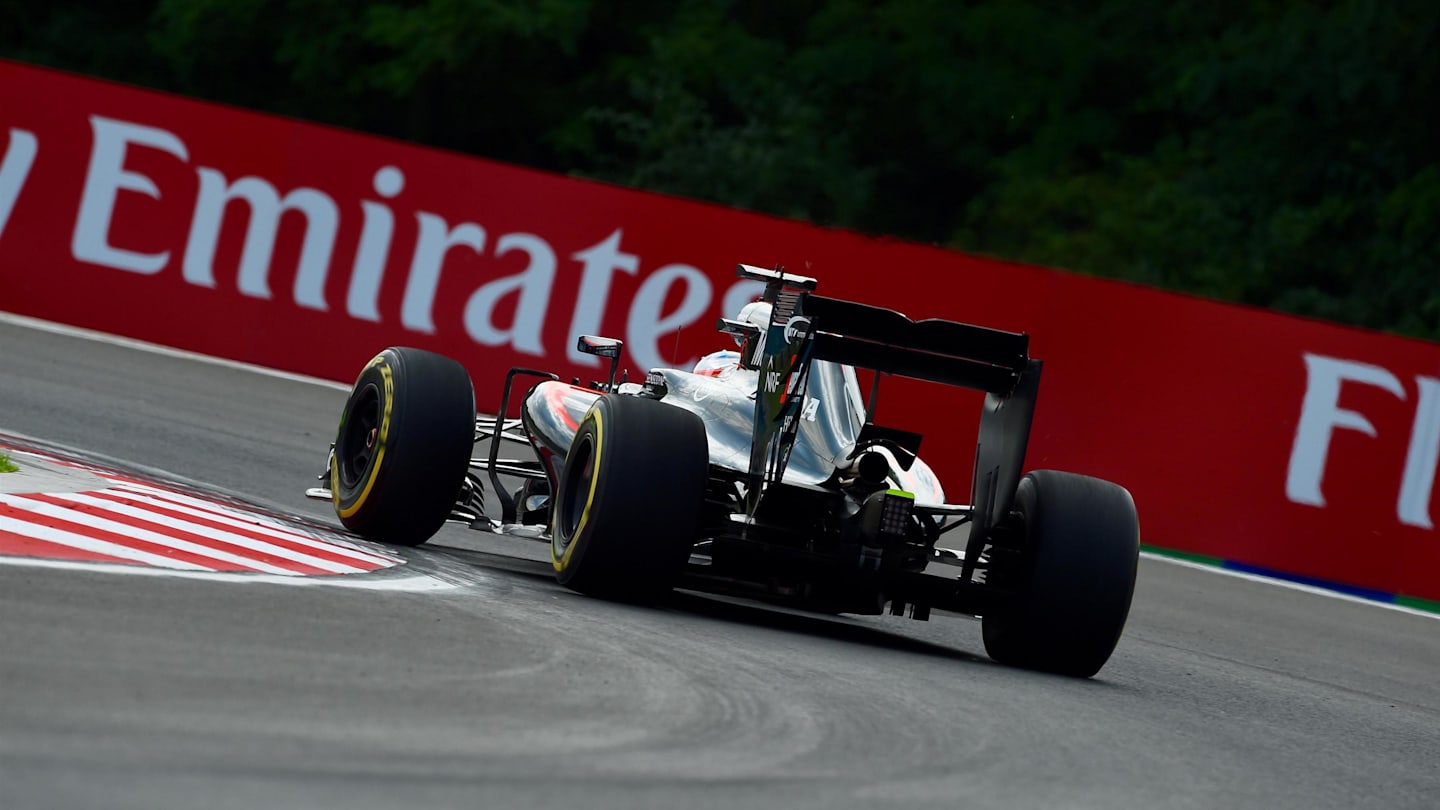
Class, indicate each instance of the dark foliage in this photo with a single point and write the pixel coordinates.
(1278, 153)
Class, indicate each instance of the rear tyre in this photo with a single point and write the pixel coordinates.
(628, 505)
(403, 446)
(1075, 577)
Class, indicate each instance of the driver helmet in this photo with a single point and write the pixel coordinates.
(757, 314)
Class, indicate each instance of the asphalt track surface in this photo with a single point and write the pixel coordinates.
(506, 690)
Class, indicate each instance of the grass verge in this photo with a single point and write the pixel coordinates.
(6, 465)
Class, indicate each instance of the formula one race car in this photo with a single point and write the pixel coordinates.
(764, 476)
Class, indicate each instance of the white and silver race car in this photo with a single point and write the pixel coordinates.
(763, 474)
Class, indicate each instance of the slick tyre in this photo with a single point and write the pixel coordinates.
(1074, 577)
(630, 494)
(403, 446)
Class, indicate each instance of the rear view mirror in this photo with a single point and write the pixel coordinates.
(600, 346)
(603, 347)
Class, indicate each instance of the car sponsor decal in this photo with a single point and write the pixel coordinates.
(58, 509)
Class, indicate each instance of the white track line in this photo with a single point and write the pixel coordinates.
(167, 351)
(412, 583)
(1283, 583)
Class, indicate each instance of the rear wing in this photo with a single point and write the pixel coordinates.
(939, 351)
(807, 327)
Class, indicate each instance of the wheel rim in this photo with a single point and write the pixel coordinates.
(359, 436)
(579, 473)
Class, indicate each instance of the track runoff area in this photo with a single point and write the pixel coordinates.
(62, 510)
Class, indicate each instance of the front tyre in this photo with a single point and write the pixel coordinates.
(403, 446)
(628, 505)
(1075, 576)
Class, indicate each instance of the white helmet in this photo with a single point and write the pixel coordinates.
(756, 313)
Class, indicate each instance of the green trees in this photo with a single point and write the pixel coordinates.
(1278, 153)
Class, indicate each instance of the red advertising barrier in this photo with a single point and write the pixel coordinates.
(1244, 435)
